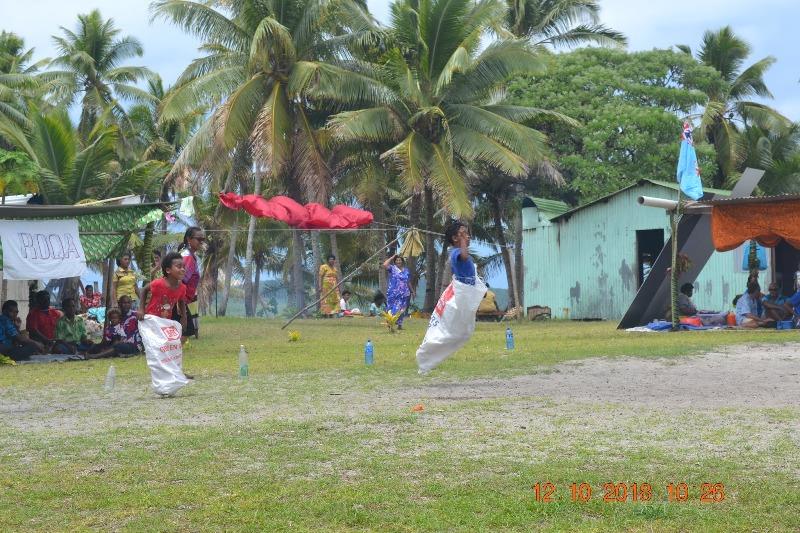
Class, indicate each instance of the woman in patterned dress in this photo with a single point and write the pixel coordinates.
(398, 297)
(328, 278)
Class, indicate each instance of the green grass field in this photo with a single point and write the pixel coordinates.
(314, 440)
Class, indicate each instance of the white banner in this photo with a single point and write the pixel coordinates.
(41, 249)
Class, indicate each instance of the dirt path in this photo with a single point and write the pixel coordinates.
(744, 376)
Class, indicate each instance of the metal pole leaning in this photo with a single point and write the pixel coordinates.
(347, 277)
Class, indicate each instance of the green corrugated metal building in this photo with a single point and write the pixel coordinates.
(587, 262)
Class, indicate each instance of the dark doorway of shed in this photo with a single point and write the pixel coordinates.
(786, 264)
(649, 243)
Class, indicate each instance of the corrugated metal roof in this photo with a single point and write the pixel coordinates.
(549, 208)
(674, 186)
(752, 200)
(665, 184)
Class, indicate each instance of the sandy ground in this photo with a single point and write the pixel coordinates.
(744, 376)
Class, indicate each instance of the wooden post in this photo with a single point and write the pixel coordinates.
(674, 220)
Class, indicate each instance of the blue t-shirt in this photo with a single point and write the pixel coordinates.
(795, 301)
(463, 269)
(7, 331)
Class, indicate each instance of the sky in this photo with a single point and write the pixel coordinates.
(648, 24)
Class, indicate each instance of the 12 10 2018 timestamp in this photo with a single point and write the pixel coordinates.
(546, 492)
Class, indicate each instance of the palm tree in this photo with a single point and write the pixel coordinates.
(260, 57)
(91, 60)
(778, 153)
(560, 23)
(729, 108)
(436, 105)
(19, 81)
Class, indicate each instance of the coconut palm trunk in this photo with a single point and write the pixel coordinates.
(430, 253)
(297, 269)
(226, 289)
(248, 255)
(497, 215)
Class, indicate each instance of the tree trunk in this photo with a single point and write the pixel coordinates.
(316, 254)
(297, 269)
(430, 253)
(335, 252)
(226, 290)
(378, 237)
(249, 306)
(415, 217)
(257, 284)
(504, 251)
(519, 265)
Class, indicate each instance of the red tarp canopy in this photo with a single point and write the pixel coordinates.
(767, 220)
(309, 216)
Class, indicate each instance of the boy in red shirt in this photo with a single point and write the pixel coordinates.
(42, 320)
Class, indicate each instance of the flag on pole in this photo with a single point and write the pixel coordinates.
(688, 170)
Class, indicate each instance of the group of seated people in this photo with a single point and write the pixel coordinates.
(753, 308)
(52, 331)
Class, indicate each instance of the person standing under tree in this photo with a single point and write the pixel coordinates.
(328, 279)
(399, 291)
(124, 281)
(193, 241)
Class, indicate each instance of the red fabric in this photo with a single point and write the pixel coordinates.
(768, 223)
(43, 321)
(163, 298)
(310, 216)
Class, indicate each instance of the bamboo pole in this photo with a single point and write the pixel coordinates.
(347, 277)
(674, 220)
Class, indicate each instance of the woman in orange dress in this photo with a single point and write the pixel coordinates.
(328, 278)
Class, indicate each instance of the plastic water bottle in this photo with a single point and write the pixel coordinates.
(369, 353)
(244, 368)
(111, 378)
(509, 339)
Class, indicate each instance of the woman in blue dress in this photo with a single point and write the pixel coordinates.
(398, 297)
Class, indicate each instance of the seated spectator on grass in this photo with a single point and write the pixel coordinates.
(747, 309)
(115, 340)
(129, 324)
(13, 343)
(792, 305)
(774, 304)
(686, 306)
(42, 320)
(90, 299)
(488, 307)
(344, 305)
(71, 331)
(378, 304)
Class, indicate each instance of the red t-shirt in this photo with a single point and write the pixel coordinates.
(164, 298)
(43, 321)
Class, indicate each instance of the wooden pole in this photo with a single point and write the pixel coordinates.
(347, 277)
(674, 219)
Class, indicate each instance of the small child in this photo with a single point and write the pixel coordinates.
(344, 305)
(378, 304)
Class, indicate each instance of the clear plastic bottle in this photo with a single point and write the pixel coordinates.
(111, 378)
(244, 367)
(509, 338)
(369, 353)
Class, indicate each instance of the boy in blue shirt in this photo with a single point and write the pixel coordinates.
(457, 236)
(13, 344)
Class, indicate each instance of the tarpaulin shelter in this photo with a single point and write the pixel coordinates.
(766, 219)
(104, 230)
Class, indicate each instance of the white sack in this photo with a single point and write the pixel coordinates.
(162, 346)
(452, 323)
